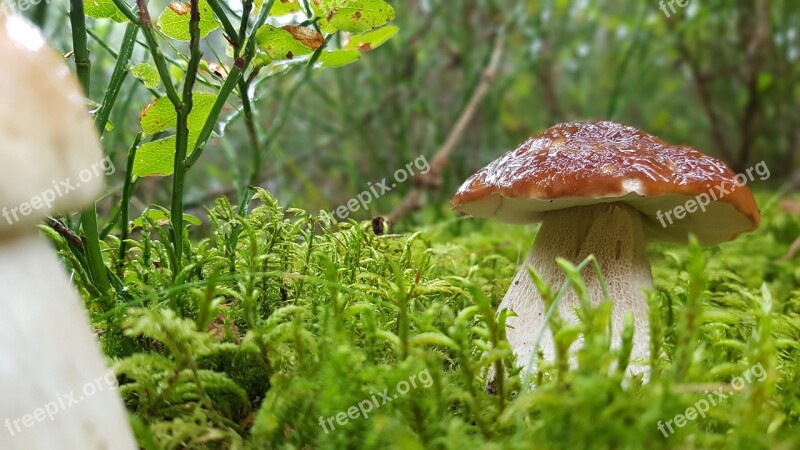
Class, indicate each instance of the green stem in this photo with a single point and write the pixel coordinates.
(117, 77)
(250, 49)
(231, 82)
(182, 135)
(233, 37)
(91, 238)
(79, 43)
(145, 24)
(127, 191)
(247, 8)
(252, 132)
(216, 109)
(91, 244)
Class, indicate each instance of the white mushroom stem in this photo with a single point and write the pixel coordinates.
(56, 389)
(612, 232)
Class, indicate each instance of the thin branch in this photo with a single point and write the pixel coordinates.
(432, 179)
(702, 87)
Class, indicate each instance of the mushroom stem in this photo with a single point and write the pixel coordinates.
(56, 389)
(613, 233)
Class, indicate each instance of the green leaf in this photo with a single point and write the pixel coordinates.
(161, 218)
(147, 73)
(353, 16)
(287, 42)
(339, 58)
(156, 158)
(280, 8)
(174, 21)
(372, 40)
(103, 9)
(159, 115)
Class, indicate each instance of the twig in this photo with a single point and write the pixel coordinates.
(433, 178)
(702, 86)
(66, 233)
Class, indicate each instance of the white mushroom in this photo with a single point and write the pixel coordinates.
(56, 390)
(598, 188)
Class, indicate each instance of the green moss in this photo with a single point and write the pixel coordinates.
(278, 321)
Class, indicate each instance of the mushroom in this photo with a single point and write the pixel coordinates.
(55, 387)
(600, 188)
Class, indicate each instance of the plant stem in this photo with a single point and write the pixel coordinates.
(91, 244)
(247, 8)
(182, 135)
(216, 108)
(145, 24)
(117, 77)
(79, 45)
(233, 37)
(91, 238)
(127, 190)
(252, 132)
(231, 82)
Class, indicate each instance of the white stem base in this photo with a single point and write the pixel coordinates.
(54, 385)
(613, 233)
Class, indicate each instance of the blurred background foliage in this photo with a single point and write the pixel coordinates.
(718, 75)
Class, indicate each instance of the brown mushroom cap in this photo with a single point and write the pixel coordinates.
(49, 149)
(583, 163)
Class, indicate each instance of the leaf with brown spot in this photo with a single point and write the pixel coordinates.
(174, 21)
(339, 58)
(146, 109)
(372, 40)
(282, 7)
(353, 16)
(180, 8)
(276, 44)
(308, 36)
